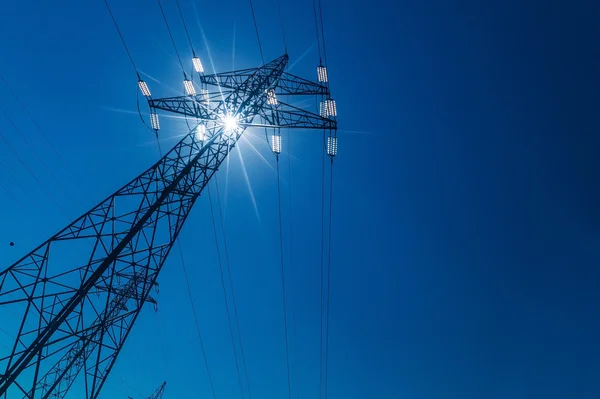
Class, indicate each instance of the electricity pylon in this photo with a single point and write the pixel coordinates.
(158, 394)
(78, 294)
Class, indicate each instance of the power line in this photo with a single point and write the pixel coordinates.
(328, 281)
(322, 267)
(281, 22)
(235, 312)
(137, 99)
(34, 122)
(185, 27)
(36, 155)
(287, 355)
(237, 367)
(189, 290)
(137, 102)
(317, 29)
(9, 193)
(291, 243)
(122, 39)
(257, 35)
(323, 32)
(171, 36)
(35, 177)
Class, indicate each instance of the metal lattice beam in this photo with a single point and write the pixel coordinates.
(79, 293)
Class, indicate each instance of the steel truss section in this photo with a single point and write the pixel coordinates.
(79, 293)
(288, 84)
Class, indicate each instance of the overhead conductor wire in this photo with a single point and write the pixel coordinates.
(324, 347)
(235, 312)
(187, 33)
(287, 354)
(171, 36)
(291, 245)
(30, 116)
(281, 23)
(189, 290)
(36, 155)
(177, 239)
(328, 303)
(257, 35)
(137, 73)
(328, 280)
(212, 214)
(160, 152)
(122, 39)
(317, 29)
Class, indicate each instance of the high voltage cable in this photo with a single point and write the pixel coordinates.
(7, 191)
(62, 160)
(36, 155)
(185, 27)
(137, 102)
(281, 22)
(237, 367)
(317, 29)
(328, 281)
(171, 36)
(323, 36)
(322, 267)
(35, 177)
(287, 355)
(257, 35)
(291, 242)
(122, 39)
(235, 312)
(137, 99)
(326, 377)
(189, 290)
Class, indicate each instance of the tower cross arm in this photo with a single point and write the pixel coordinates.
(294, 85)
(288, 116)
(193, 106)
(287, 84)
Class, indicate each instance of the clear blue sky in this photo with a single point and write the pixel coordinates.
(466, 218)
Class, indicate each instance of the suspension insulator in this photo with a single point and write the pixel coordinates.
(276, 143)
(189, 87)
(201, 132)
(205, 96)
(144, 89)
(328, 108)
(332, 146)
(271, 99)
(322, 74)
(198, 65)
(154, 121)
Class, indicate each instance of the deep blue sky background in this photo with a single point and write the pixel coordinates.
(466, 217)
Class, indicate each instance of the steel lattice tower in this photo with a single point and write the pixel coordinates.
(78, 294)
(158, 394)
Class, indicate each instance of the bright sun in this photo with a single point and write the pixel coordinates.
(230, 123)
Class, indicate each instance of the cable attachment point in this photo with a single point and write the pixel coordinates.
(198, 65)
(154, 122)
(322, 74)
(276, 144)
(332, 146)
(144, 89)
